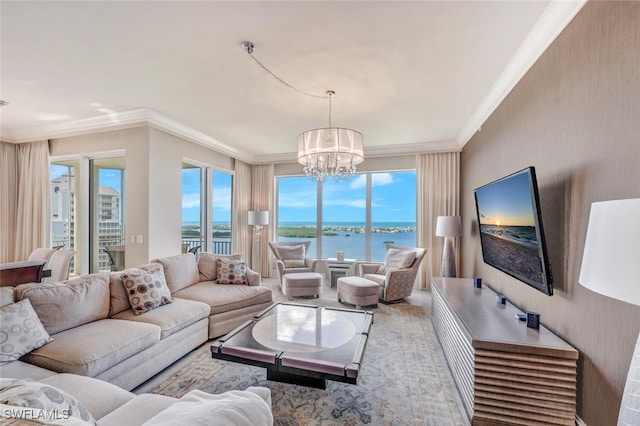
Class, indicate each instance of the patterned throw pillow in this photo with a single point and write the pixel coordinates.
(231, 272)
(147, 289)
(52, 401)
(20, 331)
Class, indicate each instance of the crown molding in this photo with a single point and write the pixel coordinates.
(376, 151)
(555, 18)
(123, 120)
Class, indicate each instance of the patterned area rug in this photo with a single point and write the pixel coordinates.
(404, 379)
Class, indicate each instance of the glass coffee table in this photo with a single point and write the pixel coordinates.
(301, 344)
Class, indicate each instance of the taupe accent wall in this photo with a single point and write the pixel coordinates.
(576, 117)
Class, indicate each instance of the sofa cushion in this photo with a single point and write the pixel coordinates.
(208, 264)
(138, 410)
(147, 289)
(68, 304)
(180, 271)
(20, 331)
(94, 347)
(6, 295)
(170, 318)
(24, 370)
(231, 272)
(226, 297)
(31, 394)
(97, 396)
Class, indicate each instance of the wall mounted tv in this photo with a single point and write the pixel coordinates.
(511, 232)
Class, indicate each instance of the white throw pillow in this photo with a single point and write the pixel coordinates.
(233, 408)
(20, 331)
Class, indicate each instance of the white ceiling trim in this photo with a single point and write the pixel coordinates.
(375, 151)
(555, 18)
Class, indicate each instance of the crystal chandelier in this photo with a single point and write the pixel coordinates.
(330, 151)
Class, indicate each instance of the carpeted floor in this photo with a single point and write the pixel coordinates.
(404, 378)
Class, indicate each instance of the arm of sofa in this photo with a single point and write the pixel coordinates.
(254, 278)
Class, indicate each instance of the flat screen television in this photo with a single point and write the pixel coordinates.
(511, 232)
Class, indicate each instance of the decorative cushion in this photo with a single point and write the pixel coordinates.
(147, 289)
(20, 331)
(119, 295)
(208, 264)
(180, 271)
(68, 304)
(31, 394)
(397, 259)
(294, 263)
(296, 252)
(231, 272)
(6, 295)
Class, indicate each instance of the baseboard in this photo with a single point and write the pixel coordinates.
(579, 421)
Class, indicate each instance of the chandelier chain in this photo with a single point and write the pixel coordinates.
(250, 49)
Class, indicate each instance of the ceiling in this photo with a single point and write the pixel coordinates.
(414, 76)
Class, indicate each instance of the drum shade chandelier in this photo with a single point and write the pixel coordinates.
(329, 151)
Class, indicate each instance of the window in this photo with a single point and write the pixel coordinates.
(63, 209)
(107, 220)
(193, 229)
(198, 221)
(222, 188)
(297, 210)
(344, 217)
(359, 217)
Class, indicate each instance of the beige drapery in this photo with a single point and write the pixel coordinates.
(24, 199)
(241, 204)
(438, 187)
(262, 199)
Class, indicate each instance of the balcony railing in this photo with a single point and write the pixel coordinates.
(217, 246)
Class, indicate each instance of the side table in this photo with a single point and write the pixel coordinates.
(338, 268)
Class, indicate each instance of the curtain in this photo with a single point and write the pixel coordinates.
(25, 210)
(241, 203)
(438, 194)
(262, 199)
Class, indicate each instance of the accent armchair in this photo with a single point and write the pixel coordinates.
(291, 256)
(397, 274)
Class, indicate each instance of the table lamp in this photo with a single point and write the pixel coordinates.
(448, 227)
(609, 267)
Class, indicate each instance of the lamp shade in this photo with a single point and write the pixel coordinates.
(448, 226)
(259, 217)
(611, 248)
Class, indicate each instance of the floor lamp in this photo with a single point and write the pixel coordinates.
(257, 219)
(609, 267)
(448, 227)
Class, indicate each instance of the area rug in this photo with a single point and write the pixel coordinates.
(403, 381)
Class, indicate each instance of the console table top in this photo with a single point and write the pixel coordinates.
(493, 326)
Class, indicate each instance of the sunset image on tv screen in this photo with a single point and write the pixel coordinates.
(508, 227)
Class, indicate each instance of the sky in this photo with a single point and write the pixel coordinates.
(393, 199)
(191, 196)
(507, 202)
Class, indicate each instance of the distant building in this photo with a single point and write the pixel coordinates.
(63, 210)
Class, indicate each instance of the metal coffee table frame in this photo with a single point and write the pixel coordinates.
(306, 368)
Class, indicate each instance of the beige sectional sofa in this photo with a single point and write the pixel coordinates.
(95, 332)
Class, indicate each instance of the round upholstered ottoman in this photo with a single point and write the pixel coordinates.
(298, 284)
(358, 291)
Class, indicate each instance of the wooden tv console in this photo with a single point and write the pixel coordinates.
(505, 372)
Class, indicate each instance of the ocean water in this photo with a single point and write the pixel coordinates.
(519, 234)
(351, 239)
